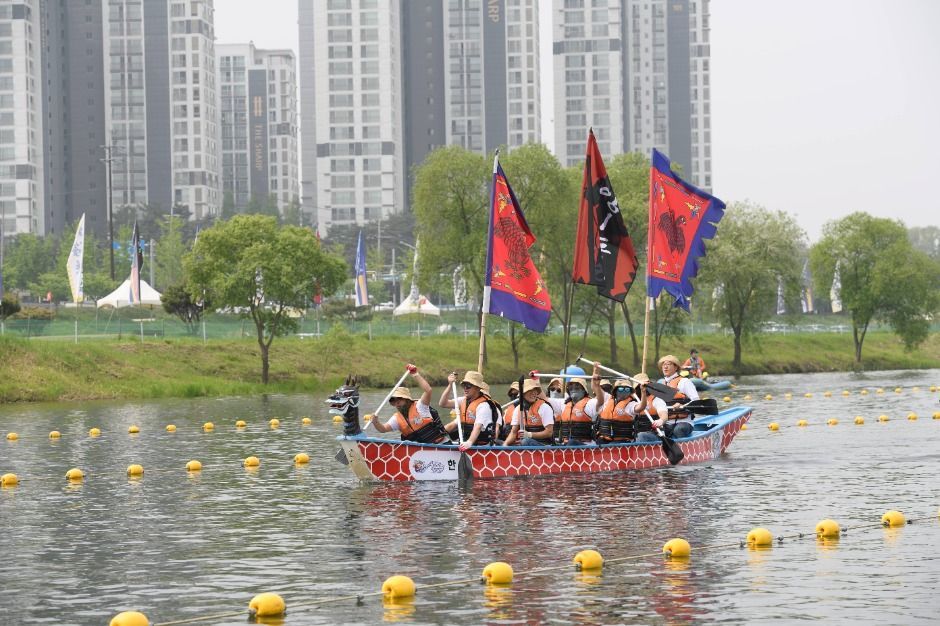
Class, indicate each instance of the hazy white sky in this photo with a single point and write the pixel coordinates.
(819, 107)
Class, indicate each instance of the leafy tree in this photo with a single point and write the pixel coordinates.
(9, 305)
(27, 257)
(249, 263)
(926, 239)
(883, 277)
(228, 205)
(292, 213)
(177, 300)
(754, 248)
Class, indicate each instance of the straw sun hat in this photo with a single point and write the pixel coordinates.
(531, 384)
(670, 358)
(401, 392)
(474, 378)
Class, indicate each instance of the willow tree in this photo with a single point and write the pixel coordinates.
(251, 264)
(883, 277)
(753, 251)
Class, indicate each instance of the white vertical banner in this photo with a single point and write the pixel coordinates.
(75, 266)
(835, 292)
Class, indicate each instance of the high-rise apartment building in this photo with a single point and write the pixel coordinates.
(637, 71)
(462, 72)
(259, 125)
(351, 110)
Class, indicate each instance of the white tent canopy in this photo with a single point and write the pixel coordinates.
(121, 297)
(415, 303)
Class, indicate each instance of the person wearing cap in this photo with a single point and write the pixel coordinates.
(680, 421)
(694, 365)
(556, 389)
(475, 410)
(575, 423)
(414, 419)
(606, 385)
(539, 418)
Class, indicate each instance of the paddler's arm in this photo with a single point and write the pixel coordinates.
(472, 439)
(425, 387)
(447, 398)
(596, 384)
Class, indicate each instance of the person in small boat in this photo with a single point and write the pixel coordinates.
(650, 412)
(539, 418)
(694, 365)
(505, 424)
(416, 420)
(606, 385)
(556, 389)
(616, 420)
(575, 422)
(680, 421)
(476, 411)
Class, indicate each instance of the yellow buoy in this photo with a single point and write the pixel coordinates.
(882, 418)
(133, 430)
(588, 559)
(74, 474)
(879, 390)
(827, 529)
(306, 421)
(802, 423)
(94, 432)
(827, 394)
(863, 392)
(726, 399)
(266, 605)
(369, 417)
(9, 480)
(677, 548)
(774, 426)
(808, 395)
(859, 420)
(301, 458)
(171, 428)
(135, 470)
(240, 424)
(832, 421)
(398, 587)
(897, 390)
(275, 422)
(743, 426)
(768, 397)
(252, 461)
(846, 393)
(912, 416)
(54, 434)
(892, 519)
(498, 573)
(453, 412)
(933, 388)
(760, 538)
(130, 618)
(915, 388)
(12, 436)
(936, 415)
(747, 397)
(788, 395)
(208, 426)
(193, 466)
(337, 419)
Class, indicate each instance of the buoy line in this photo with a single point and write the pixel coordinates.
(826, 529)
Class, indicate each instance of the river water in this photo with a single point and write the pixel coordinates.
(177, 545)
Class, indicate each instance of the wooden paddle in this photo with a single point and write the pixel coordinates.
(659, 390)
(704, 406)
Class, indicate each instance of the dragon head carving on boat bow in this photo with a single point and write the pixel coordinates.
(345, 402)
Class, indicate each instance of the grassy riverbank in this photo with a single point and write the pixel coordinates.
(37, 370)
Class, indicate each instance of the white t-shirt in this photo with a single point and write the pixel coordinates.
(423, 411)
(483, 415)
(658, 403)
(545, 412)
(686, 386)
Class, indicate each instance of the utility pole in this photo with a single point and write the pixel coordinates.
(153, 244)
(107, 161)
(2, 219)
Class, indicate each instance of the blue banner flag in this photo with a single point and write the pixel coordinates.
(682, 217)
(362, 290)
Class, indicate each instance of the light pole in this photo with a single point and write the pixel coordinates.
(107, 160)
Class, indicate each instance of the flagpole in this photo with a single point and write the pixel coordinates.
(486, 285)
(649, 249)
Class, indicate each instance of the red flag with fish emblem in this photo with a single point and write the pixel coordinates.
(682, 217)
(513, 286)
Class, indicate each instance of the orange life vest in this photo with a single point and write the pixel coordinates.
(697, 372)
(575, 423)
(681, 398)
(415, 427)
(468, 418)
(615, 423)
(533, 421)
(506, 426)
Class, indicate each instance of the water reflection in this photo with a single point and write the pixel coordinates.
(209, 540)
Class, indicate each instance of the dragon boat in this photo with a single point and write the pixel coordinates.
(381, 459)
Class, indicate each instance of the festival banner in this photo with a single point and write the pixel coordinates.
(806, 297)
(137, 264)
(362, 289)
(513, 286)
(682, 217)
(603, 249)
(835, 292)
(75, 264)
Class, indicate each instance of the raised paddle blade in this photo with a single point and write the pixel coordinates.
(660, 390)
(707, 406)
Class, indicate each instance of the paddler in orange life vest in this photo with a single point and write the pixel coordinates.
(414, 419)
(695, 365)
(475, 410)
(630, 414)
(539, 418)
(680, 422)
(505, 424)
(574, 423)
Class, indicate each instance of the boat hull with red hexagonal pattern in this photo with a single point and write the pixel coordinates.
(388, 460)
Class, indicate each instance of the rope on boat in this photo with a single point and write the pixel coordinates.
(358, 598)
